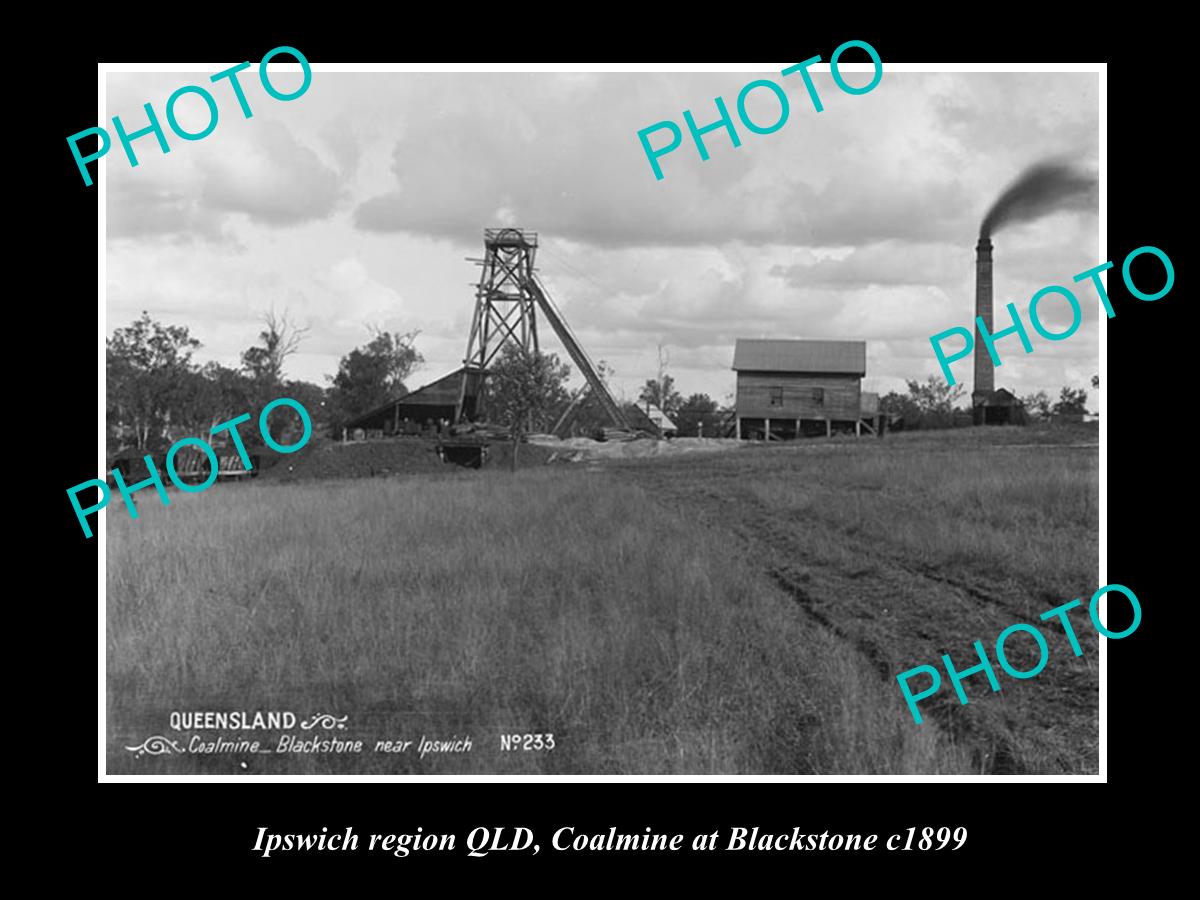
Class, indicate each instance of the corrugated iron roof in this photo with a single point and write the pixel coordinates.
(1001, 397)
(843, 357)
(443, 392)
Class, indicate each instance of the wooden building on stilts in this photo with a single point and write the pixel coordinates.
(792, 388)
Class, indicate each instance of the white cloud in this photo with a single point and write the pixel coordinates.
(357, 204)
(268, 175)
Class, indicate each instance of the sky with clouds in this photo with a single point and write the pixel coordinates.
(357, 203)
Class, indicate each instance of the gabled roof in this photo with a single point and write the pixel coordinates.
(660, 418)
(1001, 397)
(840, 357)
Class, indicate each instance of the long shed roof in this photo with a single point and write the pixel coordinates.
(443, 392)
(841, 357)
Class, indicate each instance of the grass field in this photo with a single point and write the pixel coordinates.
(740, 612)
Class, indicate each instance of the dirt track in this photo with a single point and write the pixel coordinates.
(896, 611)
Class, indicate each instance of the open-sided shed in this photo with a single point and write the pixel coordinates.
(423, 408)
(999, 407)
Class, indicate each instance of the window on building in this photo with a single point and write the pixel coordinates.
(818, 395)
(777, 396)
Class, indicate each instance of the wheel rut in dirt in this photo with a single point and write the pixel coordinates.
(894, 613)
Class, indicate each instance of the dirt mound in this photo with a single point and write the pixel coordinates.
(584, 449)
(400, 456)
(500, 456)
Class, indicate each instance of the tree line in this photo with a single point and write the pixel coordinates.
(697, 414)
(934, 403)
(158, 394)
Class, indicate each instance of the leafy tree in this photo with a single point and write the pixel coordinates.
(935, 399)
(523, 390)
(901, 409)
(310, 396)
(661, 391)
(1071, 402)
(232, 393)
(122, 429)
(149, 377)
(370, 375)
(156, 394)
(1038, 406)
(194, 408)
(696, 411)
(263, 362)
(662, 394)
(148, 345)
(287, 427)
(935, 395)
(1095, 382)
(928, 404)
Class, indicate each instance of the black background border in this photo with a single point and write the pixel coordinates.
(1146, 403)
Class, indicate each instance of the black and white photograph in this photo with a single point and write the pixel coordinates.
(653, 420)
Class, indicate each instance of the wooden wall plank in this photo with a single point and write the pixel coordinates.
(755, 391)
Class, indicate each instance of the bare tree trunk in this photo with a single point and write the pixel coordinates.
(516, 442)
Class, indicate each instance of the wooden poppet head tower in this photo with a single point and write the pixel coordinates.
(508, 298)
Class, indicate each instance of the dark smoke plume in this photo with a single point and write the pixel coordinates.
(1043, 188)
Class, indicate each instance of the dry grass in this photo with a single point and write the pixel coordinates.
(917, 546)
(1025, 515)
(556, 601)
